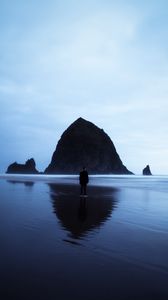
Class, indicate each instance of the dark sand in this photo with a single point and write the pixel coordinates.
(57, 245)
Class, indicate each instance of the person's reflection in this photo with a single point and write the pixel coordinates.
(82, 211)
(80, 215)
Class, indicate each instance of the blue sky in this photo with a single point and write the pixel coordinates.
(106, 61)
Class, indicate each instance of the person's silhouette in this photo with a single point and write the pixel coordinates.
(83, 179)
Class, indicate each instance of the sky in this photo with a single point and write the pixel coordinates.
(103, 60)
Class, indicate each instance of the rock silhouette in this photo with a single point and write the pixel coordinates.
(28, 168)
(85, 144)
(146, 171)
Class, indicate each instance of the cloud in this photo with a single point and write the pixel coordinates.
(105, 61)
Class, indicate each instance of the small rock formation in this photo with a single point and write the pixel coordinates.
(28, 168)
(146, 171)
(85, 144)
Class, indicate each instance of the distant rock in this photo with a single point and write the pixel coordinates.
(28, 168)
(85, 144)
(146, 171)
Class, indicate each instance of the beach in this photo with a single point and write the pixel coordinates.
(112, 244)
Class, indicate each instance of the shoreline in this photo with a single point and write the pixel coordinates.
(156, 183)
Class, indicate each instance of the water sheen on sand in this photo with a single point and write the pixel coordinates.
(55, 244)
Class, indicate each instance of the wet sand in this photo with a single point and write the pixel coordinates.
(58, 245)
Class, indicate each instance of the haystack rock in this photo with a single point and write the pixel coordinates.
(28, 168)
(85, 144)
(146, 171)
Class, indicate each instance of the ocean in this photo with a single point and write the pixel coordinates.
(112, 244)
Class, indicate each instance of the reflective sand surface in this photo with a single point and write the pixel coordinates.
(111, 245)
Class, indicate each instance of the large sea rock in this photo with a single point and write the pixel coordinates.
(85, 144)
(28, 168)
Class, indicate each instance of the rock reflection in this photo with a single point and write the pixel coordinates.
(77, 215)
(26, 183)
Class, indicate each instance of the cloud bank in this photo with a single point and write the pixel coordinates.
(103, 61)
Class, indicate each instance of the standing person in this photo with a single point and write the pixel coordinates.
(83, 179)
